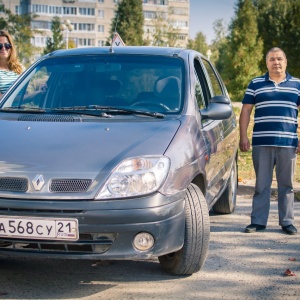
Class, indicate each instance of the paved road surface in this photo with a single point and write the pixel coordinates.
(239, 266)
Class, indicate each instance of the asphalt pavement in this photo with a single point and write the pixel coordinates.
(239, 266)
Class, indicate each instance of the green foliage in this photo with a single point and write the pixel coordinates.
(220, 30)
(244, 50)
(258, 25)
(219, 45)
(164, 33)
(129, 22)
(220, 51)
(279, 26)
(199, 43)
(56, 42)
(19, 27)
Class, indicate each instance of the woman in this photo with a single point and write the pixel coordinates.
(10, 66)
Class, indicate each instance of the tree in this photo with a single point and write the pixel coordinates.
(220, 29)
(199, 43)
(279, 26)
(128, 22)
(56, 42)
(244, 50)
(19, 26)
(163, 33)
(219, 45)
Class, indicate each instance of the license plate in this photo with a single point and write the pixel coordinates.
(39, 228)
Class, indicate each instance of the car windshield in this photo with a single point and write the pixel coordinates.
(136, 82)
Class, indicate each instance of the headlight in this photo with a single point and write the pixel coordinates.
(136, 176)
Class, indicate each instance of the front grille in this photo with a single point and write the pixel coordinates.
(13, 184)
(87, 244)
(47, 118)
(39, 211)
(70, 185)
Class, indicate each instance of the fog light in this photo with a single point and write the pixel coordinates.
(143, 241)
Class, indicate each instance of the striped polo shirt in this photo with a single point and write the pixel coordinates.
(7, 78)
(276, 110)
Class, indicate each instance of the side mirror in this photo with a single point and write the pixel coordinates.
(219, 108)
(220, 99)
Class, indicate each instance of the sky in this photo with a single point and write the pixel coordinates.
(203, 13)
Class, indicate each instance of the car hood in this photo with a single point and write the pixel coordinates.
(79, 149)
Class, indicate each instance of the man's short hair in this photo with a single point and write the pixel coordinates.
(275, 49)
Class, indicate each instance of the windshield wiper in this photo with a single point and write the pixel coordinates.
(23, 108)
(81, 110)
(111, 109)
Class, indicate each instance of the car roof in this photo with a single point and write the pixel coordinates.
(138, 50)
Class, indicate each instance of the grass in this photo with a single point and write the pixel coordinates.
(246, 171)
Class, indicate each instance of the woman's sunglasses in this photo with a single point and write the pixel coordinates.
(5, 45)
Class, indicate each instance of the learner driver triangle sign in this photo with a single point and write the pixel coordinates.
(117, 41)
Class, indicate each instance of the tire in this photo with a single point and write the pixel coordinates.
(227, 202)
(191, 257)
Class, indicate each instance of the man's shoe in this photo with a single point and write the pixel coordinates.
(289, 229)
(254, 228)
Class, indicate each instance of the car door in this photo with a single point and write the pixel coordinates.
(229, 126)
(207, 85)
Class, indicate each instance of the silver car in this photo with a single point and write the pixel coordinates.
(116, 153)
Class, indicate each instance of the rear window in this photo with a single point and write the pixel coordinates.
(152, 83)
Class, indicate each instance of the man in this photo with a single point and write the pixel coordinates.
(276, 97)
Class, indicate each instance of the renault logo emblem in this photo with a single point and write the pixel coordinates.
(38, 182)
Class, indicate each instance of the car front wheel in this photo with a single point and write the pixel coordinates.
(191, 257)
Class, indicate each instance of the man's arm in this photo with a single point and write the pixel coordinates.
(244, 123)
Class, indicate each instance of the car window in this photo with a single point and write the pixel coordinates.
(202, 91)
(153, 83)
(215, 84)
(199, 93)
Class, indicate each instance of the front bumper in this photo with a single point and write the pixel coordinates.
(106, 228)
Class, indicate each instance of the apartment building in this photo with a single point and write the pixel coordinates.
(91, 19)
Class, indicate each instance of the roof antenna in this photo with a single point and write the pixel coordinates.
(114, 33)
